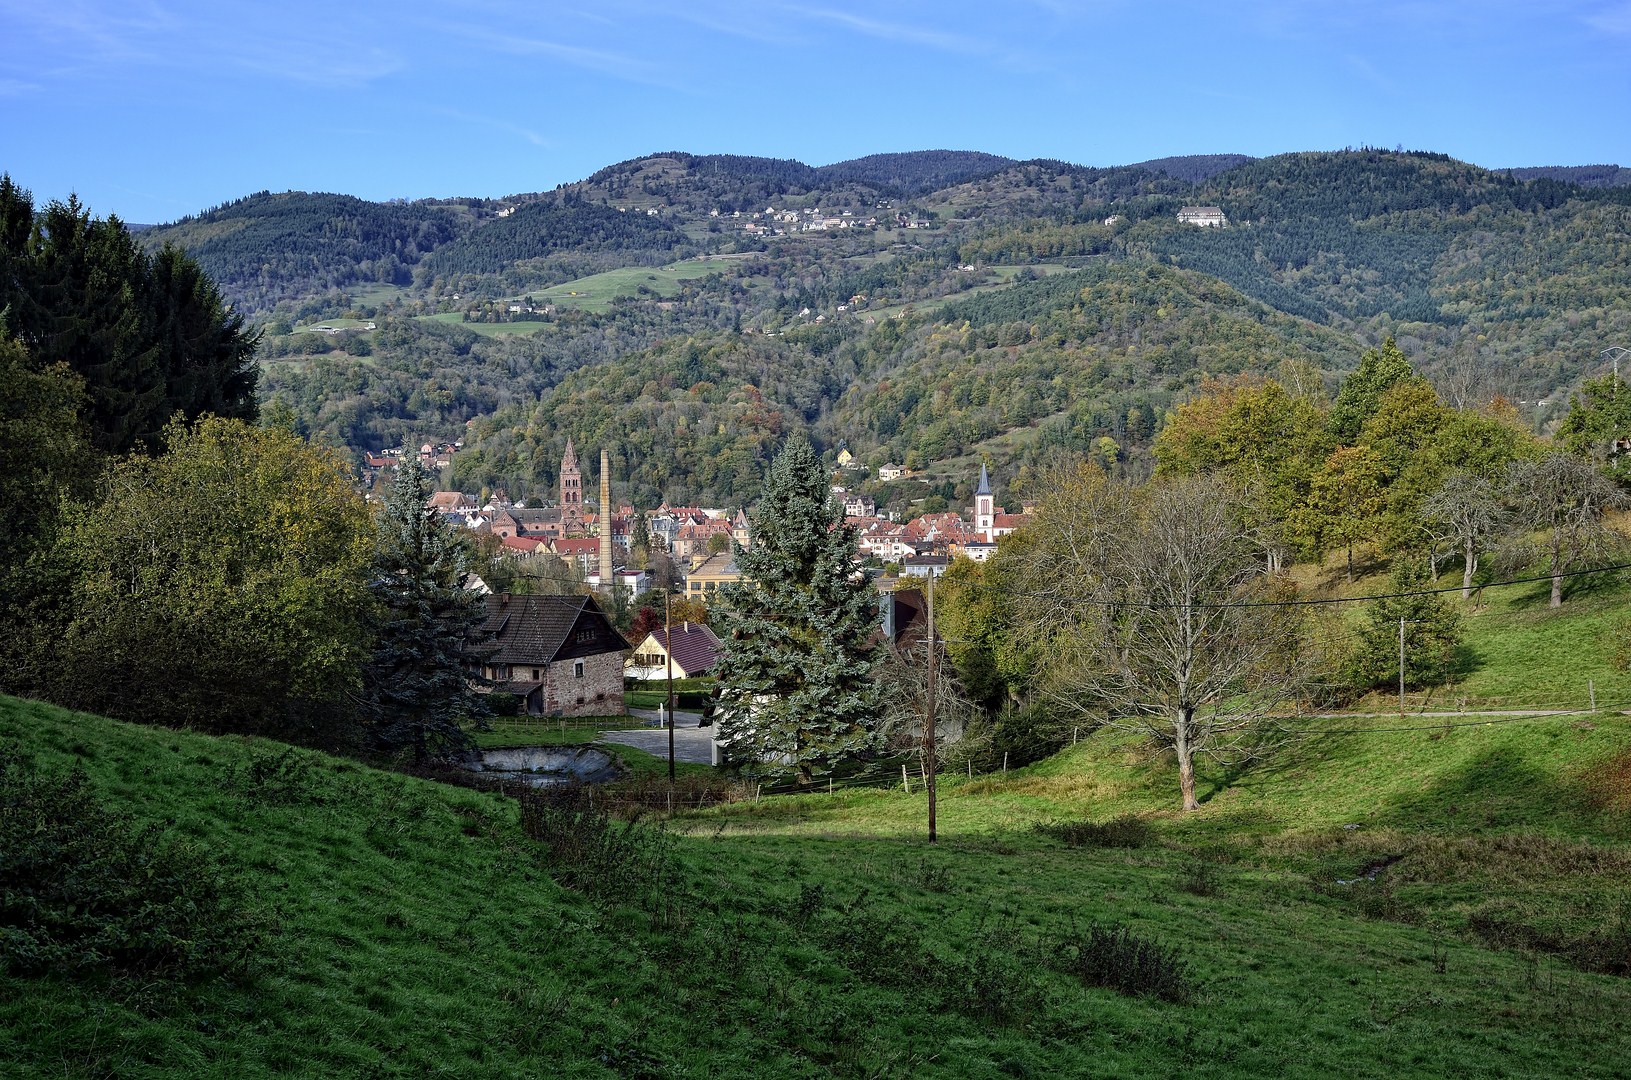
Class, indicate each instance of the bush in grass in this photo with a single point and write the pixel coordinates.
(1016, 736)
(1115, 957)
(274, 776)
(84, 890)
(1125, 831)
(991, 981)
(614, 862)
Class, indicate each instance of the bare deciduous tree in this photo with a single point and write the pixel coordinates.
(1565, 497)
(1466, 514)
(1159, 618)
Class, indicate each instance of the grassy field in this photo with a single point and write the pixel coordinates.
(419, 931)
(454, 318)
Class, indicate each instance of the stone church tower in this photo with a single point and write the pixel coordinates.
(571, 493)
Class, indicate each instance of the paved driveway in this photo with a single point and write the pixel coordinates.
(691, 743)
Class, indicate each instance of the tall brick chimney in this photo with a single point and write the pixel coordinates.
(606, 582)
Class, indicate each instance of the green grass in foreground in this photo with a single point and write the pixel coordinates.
(817, 936)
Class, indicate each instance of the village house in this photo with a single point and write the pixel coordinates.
(559, 654)
(694, 647)
(705, 578)
(452, 502)
(925, 565)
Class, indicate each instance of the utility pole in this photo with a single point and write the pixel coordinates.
(928, 714)
(1401, 667)
(1614, 352)
(668, 651)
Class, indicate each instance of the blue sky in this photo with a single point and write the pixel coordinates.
(152, 110)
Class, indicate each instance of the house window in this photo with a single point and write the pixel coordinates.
(501, 672)
(586, 635)
(534, 674)
(577, 669)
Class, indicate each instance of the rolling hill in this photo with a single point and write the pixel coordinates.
(1494, 284)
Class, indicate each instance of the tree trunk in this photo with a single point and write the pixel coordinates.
(1470, 568)
(1557, 589)
(1186, 759)
(1350, 563)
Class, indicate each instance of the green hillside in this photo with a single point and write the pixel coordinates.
(265, 248)
(1494, 286)
(415, 929)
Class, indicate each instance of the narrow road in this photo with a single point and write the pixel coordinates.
(691, 743)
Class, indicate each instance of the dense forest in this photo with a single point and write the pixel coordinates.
(536, 230)
(265, 247)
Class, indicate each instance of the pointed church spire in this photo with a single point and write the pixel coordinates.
(985, 482)
(569, 460)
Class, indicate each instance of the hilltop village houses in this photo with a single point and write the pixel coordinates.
(702, 543)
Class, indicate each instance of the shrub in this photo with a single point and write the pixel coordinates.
(273, 776)
(610, 861)
(1115, 957)
(85, 890)
(1125, 831)
(991, 982)
(1200, 879)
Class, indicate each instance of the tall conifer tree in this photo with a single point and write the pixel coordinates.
(418, 697)
(796, 687)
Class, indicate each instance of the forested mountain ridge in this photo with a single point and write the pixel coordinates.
(264, 248)
(1584, 175)
(1193, 167)
(1014, 308)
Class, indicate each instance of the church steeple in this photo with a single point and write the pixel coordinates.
(571, 492)
(985, 508)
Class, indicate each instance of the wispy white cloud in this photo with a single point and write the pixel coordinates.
(18, 88)
(605, 62)
(902, 32)
(1610, 19)
(84, 38)
(1368, 71)
(494, 122)
(318, 63)
(928, 35)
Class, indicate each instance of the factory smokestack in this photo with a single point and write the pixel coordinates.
(606, 523)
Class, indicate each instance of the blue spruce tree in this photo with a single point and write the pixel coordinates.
(418, 700)
(796, 693)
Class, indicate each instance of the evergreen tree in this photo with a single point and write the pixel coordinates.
(148, 336)
(1432, 633)
(417, 694)
(796, 691)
